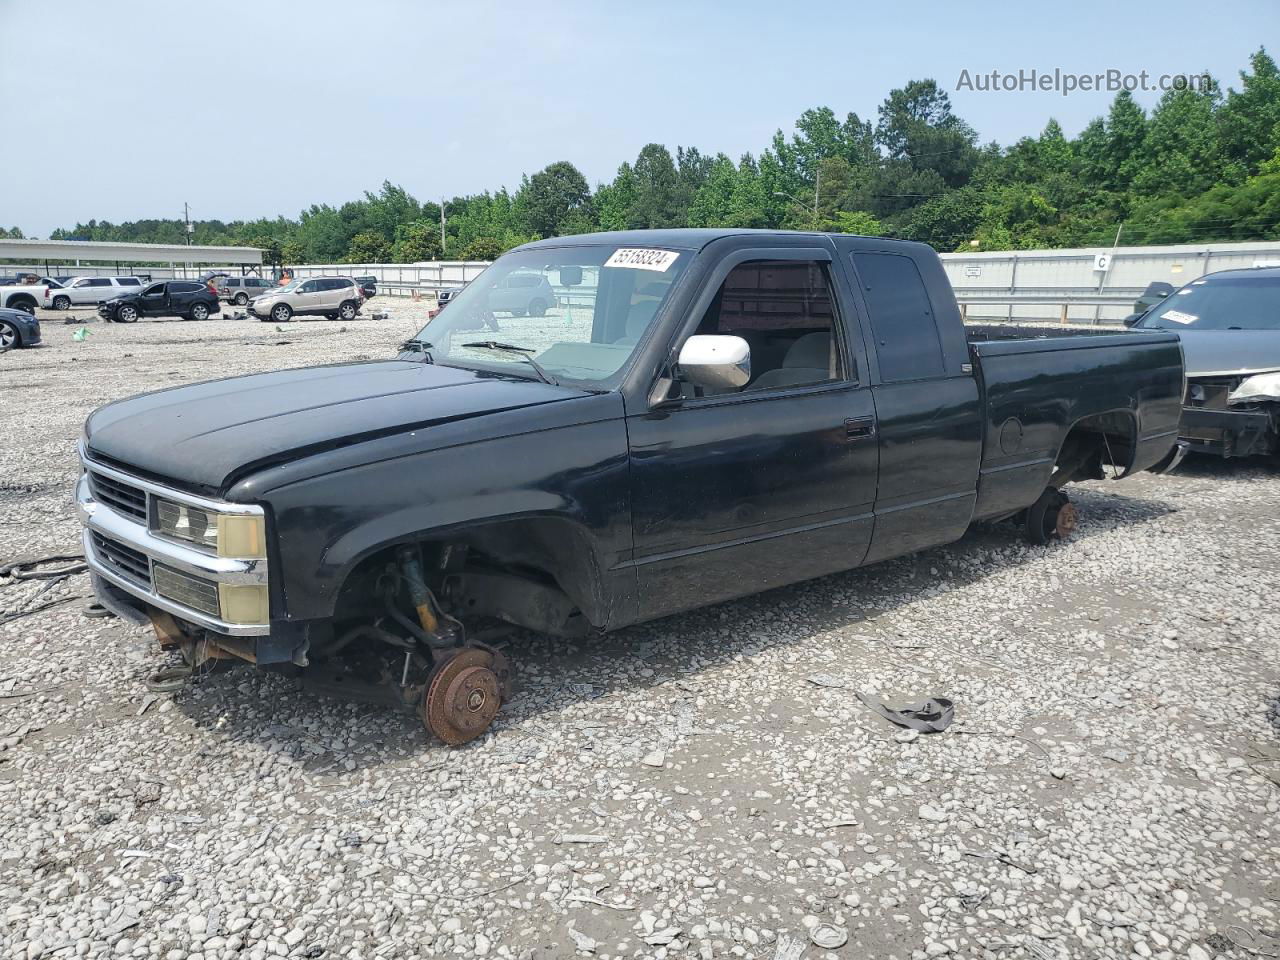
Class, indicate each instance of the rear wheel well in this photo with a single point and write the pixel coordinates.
(1094, 442)
(22, 301)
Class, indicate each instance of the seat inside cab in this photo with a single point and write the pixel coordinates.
(783, 310)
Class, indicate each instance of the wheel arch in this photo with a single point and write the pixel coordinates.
(545, 549)
(20, 301)
(1111, 434)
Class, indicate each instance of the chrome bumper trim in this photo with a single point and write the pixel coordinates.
(96, 516)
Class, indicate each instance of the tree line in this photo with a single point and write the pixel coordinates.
(1203, 165)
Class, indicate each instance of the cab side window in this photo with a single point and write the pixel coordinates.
(785, 311)
(902, 320)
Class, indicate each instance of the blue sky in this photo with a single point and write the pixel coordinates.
(124, 110)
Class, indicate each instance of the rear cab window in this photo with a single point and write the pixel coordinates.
(902, 319)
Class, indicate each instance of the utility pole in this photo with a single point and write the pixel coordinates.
(817, 181)
(186, 218)
(442, 228)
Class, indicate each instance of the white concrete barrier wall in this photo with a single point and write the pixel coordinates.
(1074, 275)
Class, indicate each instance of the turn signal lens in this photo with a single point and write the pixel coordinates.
(242, 536)
(243, 604)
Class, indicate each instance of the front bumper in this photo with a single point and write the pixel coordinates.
(1228, 433)
(122, 550)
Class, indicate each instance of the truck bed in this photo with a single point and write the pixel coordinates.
(1039, 389)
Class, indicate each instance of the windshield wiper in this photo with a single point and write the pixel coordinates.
(414, 345)
(524, 355)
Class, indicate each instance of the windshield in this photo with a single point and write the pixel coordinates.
(291, 285)
(1235, 303)
(576, 312)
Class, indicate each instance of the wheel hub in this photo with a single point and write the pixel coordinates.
(1067, 518)
(464, 695)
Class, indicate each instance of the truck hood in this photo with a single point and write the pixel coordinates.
(1217, 352)
(207, 434)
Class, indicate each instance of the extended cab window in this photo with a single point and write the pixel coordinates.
(902, 320)
(784, 310)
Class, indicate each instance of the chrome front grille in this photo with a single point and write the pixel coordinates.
(135, 543)
(183, 588)
(122, 497)
(124, 560)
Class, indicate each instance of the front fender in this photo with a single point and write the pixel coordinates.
(577, 475)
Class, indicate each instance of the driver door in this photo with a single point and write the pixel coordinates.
(153, 300)
(307, 297)
(739, 491)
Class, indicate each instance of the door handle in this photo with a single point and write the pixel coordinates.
(860, 428)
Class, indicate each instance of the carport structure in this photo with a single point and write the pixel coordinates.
(81, 256)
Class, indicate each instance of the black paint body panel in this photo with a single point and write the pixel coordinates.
(664, 507)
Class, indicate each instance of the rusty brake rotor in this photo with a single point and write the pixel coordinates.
(464, 694)
(1067, 517)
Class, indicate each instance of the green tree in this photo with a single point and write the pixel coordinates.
(657, 190)
(553, 197)
(614, 201)
(1250, 118)
(416, 242)
(367, 247)
(947, 222)
(916, 126)
(1181, 153)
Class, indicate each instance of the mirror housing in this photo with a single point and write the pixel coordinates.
(718, 361)
(570, 276)
(1131, 319)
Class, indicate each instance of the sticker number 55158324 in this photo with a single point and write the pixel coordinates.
(639, 258)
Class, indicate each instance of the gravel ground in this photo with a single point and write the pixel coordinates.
(704, 786)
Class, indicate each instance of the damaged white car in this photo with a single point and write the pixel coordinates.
(1229, 324)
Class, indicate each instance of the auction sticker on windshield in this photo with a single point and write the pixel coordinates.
(1177, 316)
(638, 258)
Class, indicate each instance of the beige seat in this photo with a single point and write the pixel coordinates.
(808, 360)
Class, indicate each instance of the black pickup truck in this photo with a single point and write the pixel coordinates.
(703, 414)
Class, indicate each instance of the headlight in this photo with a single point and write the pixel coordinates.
(242, 536)
(1262, 386)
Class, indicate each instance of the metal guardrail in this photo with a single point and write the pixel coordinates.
(1064, 299)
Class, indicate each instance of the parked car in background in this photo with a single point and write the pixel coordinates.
(189, 299)
(24, 297)
(1229, 325)
(240, 290)
(332, 297)
(18, 329)
(522, 294)
(82, 291)
(448, 293)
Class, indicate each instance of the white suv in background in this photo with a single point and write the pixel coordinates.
(82, 291)
(338, 298)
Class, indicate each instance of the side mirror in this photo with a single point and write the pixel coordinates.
(719, 362)
(570, 276)
(1131, 319)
